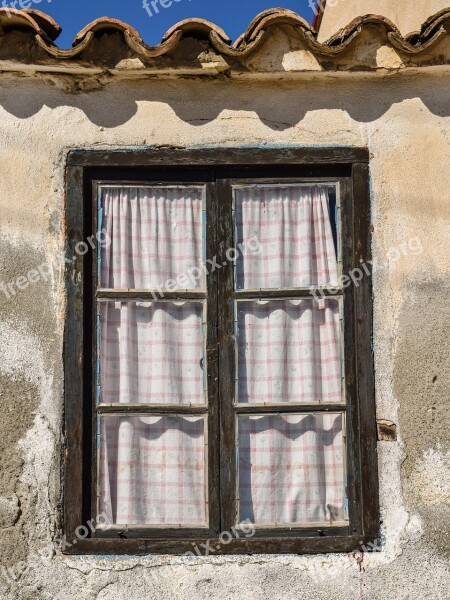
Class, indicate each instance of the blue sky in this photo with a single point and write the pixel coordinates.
(231, 15)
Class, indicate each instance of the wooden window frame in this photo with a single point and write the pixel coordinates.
(215, 168)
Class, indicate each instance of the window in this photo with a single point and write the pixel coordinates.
(218, 361)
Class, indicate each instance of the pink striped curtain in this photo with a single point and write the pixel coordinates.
(291, 467)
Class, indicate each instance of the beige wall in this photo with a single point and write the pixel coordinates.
(405, 122)
(408, 15)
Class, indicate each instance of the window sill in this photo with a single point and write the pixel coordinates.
(320, 544)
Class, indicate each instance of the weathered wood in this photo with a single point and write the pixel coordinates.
(271, 545)
(172, 155)
(364, 353)
(212, 360)
(287, 294)
(73, 356)
(226, 168)
(151, 409)
(353, 463)
(149, 296)
(292, 407)
(228, 482)
(184, 534)
(92, 360)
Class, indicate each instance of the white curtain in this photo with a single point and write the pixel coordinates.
(291, 469)
(152, 469)
(293, 226)
(152, 352)
(156, 235)
(289, 351)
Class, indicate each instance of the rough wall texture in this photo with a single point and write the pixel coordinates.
(404, 120)
(408, 15)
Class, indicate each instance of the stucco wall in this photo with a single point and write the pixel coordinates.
(408, 15)
(405, 122)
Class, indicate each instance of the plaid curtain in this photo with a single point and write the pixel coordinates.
(289, 351)
(291, 469)
(156, 235)
(152, 469)
(152, 352)
(293, 226)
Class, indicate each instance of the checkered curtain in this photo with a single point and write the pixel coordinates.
(289, 351)
(293, 226)
(155, 233)
(152, 470)
(152, 352)
(291, 469)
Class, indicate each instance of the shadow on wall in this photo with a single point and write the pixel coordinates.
(279, 105)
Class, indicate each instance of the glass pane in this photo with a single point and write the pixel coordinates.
(152, 352)
(289, 351)
(152, 237)
(291, 469)
(152, 470)
(294, 226)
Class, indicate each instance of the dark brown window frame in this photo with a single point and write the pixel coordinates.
(349, 166)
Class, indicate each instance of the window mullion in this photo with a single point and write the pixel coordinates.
(226, 343)
(286, 294)
(153, 409)
(212, 382)
(259, 409)
(148, 295)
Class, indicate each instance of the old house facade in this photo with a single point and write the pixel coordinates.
(365, 109)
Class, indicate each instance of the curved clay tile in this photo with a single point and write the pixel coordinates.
(358, 25)
(269, 18)
(227, 50)
(145, 52)
(193, 26)
(45, 22)
(433, 23)
(413, 38)
(46, 30)
(65, 54)
(105, 24)
(435, 19)
(325, 49)
(256, 21)
(413, 43)
(406, 46)
(10, 18)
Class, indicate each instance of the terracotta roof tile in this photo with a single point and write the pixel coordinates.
(46, 31)
(105, 24)
(195, 27)
(45, 22)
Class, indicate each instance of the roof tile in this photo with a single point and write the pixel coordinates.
(46, 31)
